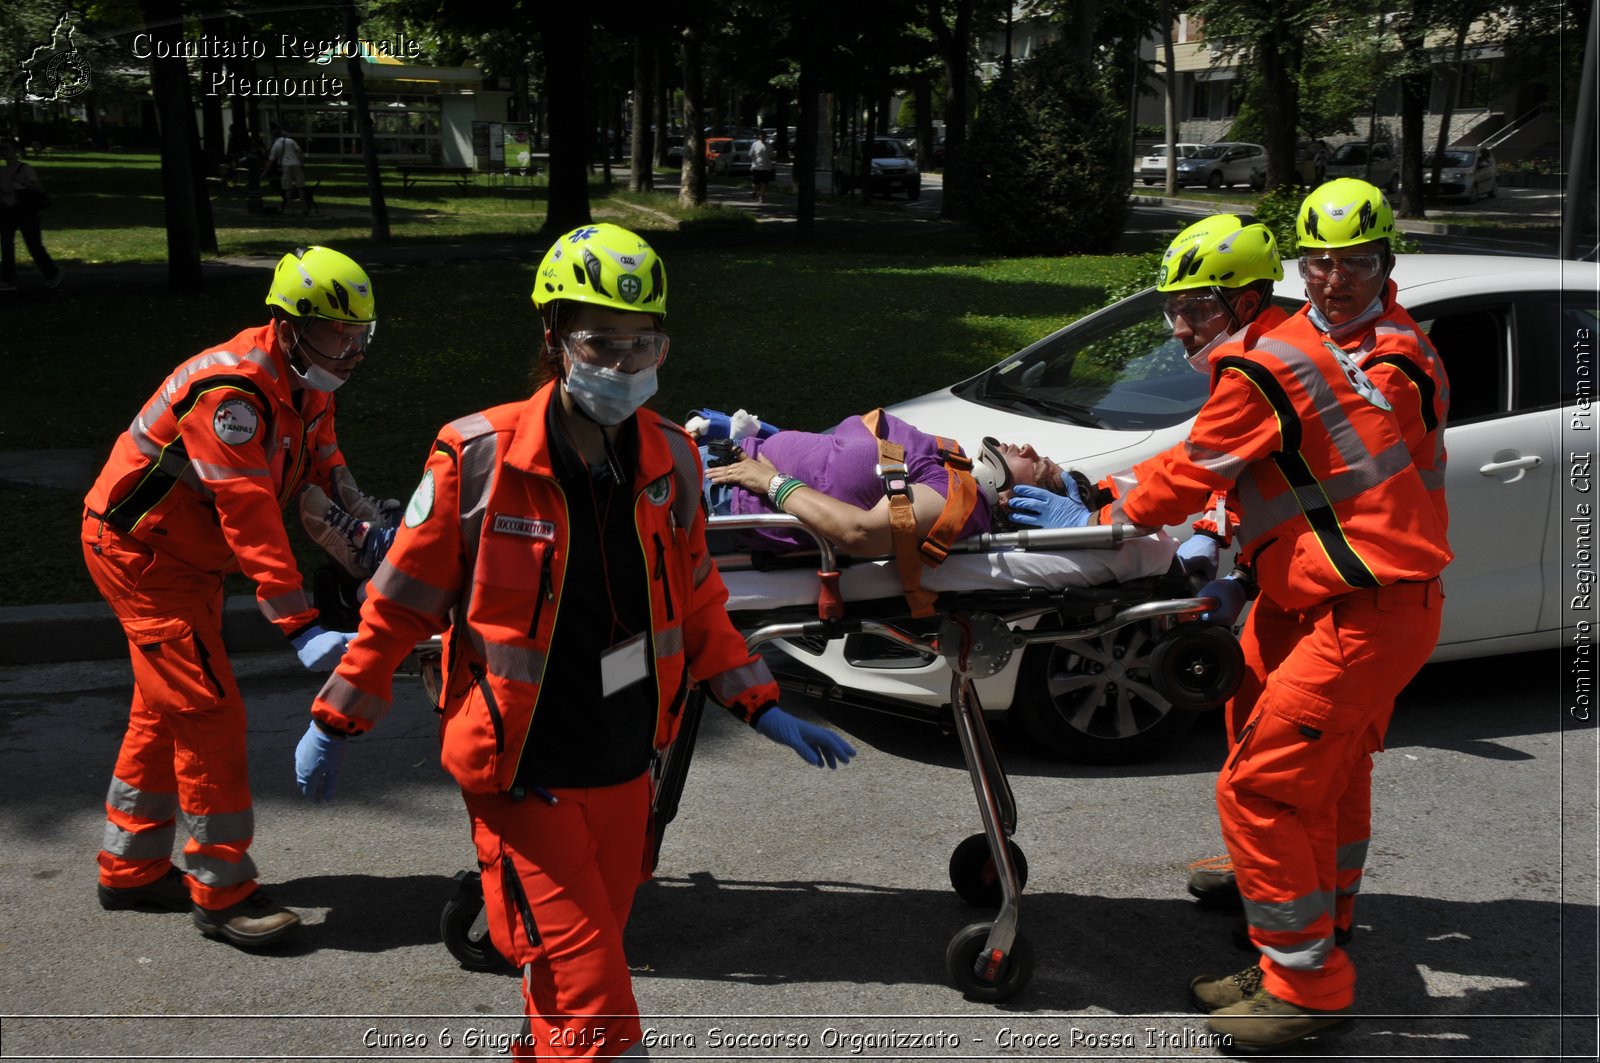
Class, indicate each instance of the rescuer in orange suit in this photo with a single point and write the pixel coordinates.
(554, 703)
(1339, 537)
(1345, 229)
(194, 490)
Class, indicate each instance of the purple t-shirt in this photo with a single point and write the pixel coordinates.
(843, 464)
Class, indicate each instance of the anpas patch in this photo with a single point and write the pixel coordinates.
(235, 422)
(421, 505)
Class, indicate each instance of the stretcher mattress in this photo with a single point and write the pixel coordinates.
(750, 590)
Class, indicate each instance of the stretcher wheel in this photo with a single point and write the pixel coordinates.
(974, 875)
(1093, 700)
(465, 931)
(1197, 666)
(961, 957)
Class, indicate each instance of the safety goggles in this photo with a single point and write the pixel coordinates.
(1194, 307)
(626, 352)
(345, 339)
(1351, 267)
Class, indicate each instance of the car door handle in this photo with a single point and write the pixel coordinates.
(1518, 465)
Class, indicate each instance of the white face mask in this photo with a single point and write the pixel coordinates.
(609, 396)
(1200, 361)
(317, 378)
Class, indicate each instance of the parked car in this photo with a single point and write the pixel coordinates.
(1113, 389)
(1468, 172)
(1310, 164)
(1220, 165)
(1153, 167)
(890, 168)
(735, 160)
(675, 149)
(716, 147)
(1350, 160)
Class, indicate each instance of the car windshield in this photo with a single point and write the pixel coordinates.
(888, 149)
(1210, 151)
(1350, 153)
(1451, 158)
(1122, 370)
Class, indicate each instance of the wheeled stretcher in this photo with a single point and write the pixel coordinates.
(996, 595)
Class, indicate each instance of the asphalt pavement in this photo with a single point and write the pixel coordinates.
(798, 903)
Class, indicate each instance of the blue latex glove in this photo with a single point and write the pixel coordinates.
(1038, 508)
(316, 762)
(320, 650)
(1230, 595)
(1198, 554)
(814, 744)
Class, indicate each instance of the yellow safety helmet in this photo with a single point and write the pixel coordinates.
(605, 265)
(322, 282)
(1344, 212)
(1220, 252)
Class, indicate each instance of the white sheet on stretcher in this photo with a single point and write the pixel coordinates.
(1003, 570)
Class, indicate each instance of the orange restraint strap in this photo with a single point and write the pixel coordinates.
(910, 554)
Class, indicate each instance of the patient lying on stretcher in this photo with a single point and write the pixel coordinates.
(831, 481)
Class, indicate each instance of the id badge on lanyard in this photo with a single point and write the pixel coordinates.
(623, 665)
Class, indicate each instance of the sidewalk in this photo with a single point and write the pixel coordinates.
(1511, 208)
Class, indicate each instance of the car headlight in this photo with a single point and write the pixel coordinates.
(876, 169)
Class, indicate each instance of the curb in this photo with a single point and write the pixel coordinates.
(1535, 222)
(55, 634)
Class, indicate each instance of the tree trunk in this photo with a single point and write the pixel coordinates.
(805, 153)
(955, 48)
(603, 129)
(566, 106)
(205, 223)
(641, 173)
(211, 119)
(170, 86)
(1450, 101)
(692, 183)
(922, 96)
(661, 65)
(1170, 94)
(1280, 63)
(1414, 87)
(356, 74)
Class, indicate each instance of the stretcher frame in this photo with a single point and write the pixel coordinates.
(989, 960)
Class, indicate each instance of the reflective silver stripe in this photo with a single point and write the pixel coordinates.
(350, 700)
(264, 360)
(217, 873)
(702, 569)
(169, 462)
(284, 605)
(1352, 449)
(1352, 857)
(669, 641)
(145, 845)
(221, 828)
(411, 592)
(326, 451)
(216, 473)
(516, 664)
(1224, 464)
(178, 379)
(1432, 479)
(1297, 914)
(1262, 515)
(685, 468)
(1122, 483)
(476, 464)
(1307, 956)
(727, 686)
(127, 798)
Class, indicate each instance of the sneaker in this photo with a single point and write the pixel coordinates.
(55, 281)
(1241, 937)
(252, 922)
(1264, 1021)
(169, 893)
(1211, 992)
(1211, 882)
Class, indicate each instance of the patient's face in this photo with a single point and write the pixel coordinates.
(1030, 467)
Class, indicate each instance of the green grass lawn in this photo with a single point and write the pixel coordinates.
(802, 337)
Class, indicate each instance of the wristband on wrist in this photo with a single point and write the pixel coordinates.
(789, 486)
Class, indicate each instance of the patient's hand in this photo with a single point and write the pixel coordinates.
(752, 474)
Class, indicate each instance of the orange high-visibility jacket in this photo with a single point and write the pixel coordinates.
(1395, 354)
(1329, 501)
(483, 549)
(205, 469)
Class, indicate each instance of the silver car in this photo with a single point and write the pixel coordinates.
(1221, 165)
(1467, 172)
(1351, 159)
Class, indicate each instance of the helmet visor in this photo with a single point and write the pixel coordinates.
(337, 341)
(1196, 308)
(1356, 268)
(626, 352)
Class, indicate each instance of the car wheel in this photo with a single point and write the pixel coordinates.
(1148, 182)
(1492, 191)
(1214, 182)
(1093, 702)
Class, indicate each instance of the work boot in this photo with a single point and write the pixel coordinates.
(252, 922)
(1241, 937)
(1212, 883)
(1211, 992)
(169, 893)
(1264, 1021)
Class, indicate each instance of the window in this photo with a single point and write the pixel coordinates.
(1472, 340)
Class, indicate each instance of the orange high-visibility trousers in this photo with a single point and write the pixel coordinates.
(1303, 759)
(183, 754)
(558, 885)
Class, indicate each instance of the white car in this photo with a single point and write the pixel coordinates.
(1466, 172)
(1153, 167)
(1113, 389)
